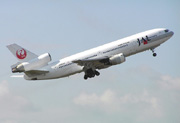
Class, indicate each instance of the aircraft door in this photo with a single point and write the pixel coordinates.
(133, 46)
(99, 53)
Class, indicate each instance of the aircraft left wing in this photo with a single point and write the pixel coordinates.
(97, 63)
(103, 62)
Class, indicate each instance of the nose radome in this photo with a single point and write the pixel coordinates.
(172, 33)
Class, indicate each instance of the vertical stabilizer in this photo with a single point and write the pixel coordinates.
(21, 53)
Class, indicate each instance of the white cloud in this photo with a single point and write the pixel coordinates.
(169, 82)
(110, 102)
(12, 106)
(93, 99)
(3, 89)
(164, 81)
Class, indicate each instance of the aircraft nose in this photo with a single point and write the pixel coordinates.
(171, 33)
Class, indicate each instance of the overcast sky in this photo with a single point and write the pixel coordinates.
(143, 89)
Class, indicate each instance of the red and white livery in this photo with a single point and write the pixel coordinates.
(38, 67)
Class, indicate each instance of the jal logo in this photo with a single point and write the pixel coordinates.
(21, 53)
(143, 40)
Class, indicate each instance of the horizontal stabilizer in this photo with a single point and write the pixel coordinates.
(35, 72)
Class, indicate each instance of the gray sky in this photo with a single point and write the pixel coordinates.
(143, 89)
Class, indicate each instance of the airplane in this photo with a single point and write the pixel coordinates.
(90, 61)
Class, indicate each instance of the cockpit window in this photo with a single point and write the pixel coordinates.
(166, 30)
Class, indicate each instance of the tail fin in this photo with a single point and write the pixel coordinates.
(20, 53)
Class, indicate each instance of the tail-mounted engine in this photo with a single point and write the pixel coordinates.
(36, 63)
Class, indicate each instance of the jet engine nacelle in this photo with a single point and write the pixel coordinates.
(117, 59)
(36, 63)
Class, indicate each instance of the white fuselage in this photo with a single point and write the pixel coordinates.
(128, 46)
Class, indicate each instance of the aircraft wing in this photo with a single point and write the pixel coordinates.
(98, 63)
(35, 72)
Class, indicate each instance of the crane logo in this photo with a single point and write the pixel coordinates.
(21, 53)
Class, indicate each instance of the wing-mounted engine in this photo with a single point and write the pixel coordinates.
(36, 63)
(117, 59)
